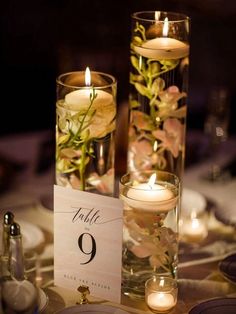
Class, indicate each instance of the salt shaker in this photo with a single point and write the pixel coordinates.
(18, 294)
(8, 219)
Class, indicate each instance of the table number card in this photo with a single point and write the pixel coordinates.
(88, 242)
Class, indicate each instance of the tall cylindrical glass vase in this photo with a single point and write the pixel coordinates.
(85, 130)
(158, 91)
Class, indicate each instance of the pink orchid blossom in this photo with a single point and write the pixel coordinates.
(139, 153)
(142, 147)
(172, 136)
(141, 120)
(169, 98)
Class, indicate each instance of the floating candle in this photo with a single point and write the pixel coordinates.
(163, 47)
(80, 98)
(151, 196)
(91, 106)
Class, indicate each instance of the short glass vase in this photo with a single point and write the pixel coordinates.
(85, 131)
(150, 232)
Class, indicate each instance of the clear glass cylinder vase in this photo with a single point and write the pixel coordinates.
(150, 231)
(85, 131)
(159, 61)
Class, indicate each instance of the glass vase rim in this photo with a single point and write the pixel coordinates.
(183, 16)
(173, 283)
(59, 82)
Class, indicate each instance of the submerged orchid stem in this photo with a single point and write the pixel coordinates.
(82, 166)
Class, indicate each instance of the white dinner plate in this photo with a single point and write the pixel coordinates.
(91, 309)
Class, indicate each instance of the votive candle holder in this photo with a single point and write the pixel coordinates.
(161, 294)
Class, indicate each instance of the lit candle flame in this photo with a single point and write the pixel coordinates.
(87, 77)
(165, 27)
(152, 180)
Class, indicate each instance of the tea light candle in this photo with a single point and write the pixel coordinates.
(80, 99)
(151, 196)
(161, 293)
(163, 47)
(160, 301)
(194, 230)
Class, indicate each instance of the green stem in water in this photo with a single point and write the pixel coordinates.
(93, 96)
(82, 166)
(140, 28)
(165, 70)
